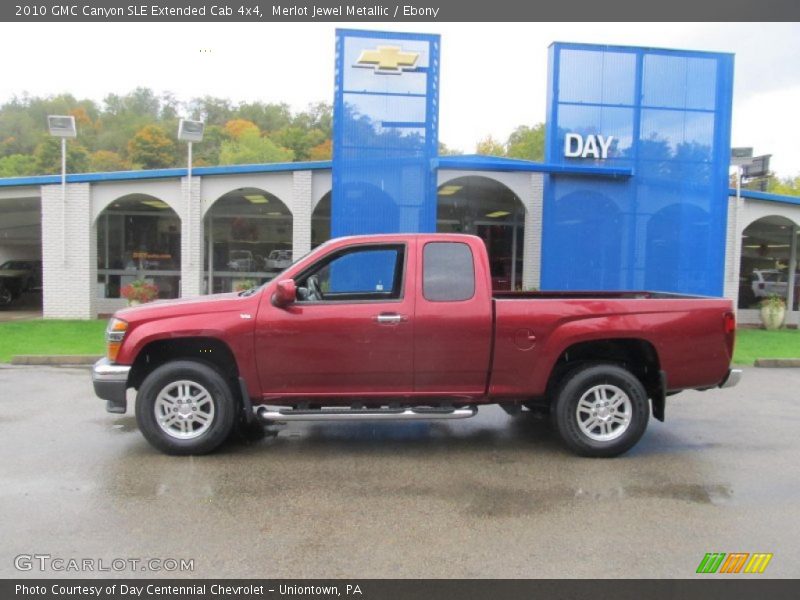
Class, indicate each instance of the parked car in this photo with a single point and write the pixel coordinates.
(407, 327)
(278, 260)
(18, 276)
(766, 282)
(242, 260)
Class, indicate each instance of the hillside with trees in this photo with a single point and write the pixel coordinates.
(138, 131)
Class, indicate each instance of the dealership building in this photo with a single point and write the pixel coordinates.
(633, 192)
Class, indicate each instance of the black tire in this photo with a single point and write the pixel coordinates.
(223, 404)
(596, 381)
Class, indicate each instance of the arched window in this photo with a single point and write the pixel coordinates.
(138, 237)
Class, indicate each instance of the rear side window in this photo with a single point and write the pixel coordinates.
(448, 272)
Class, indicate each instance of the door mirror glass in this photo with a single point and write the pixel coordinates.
(285, 293)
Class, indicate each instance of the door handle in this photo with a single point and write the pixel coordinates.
(390, 319)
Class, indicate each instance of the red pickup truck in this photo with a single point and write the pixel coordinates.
(407, 327)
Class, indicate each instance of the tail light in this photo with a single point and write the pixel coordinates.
(729, 326)
(115, 332)
(730, 322)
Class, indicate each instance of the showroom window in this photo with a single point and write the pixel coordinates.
(484, 207)
(248, 240)
(766, 262)
(138, 237)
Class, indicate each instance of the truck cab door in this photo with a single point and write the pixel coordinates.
(453, 320)
(350, 331)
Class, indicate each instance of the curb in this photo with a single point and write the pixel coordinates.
(778, 363)
(55, 360)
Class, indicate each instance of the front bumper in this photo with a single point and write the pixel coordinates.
(731, 379)
(110, 383)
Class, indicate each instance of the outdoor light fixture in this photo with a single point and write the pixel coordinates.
(63, 126)
(190, 131)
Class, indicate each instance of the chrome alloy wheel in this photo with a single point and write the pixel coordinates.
(184, 409)
(604, 412)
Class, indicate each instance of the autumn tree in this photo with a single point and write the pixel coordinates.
(527, 142)
(252, 148)
(236, 127)
(490, 147)
(152, 148)
(48, 156)
(323, 151)
(17, 165)
(107, 160)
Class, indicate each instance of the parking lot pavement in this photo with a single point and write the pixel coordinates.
(492, 496)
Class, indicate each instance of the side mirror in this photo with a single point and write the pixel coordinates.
(285, 293)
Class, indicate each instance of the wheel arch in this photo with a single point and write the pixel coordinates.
(637, 355)
(209, 350)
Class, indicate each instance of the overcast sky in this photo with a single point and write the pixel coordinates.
(493, 75)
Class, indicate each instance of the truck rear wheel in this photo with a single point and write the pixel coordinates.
(185, 407)
(601, 410)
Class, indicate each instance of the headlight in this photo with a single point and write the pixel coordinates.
(114, 333)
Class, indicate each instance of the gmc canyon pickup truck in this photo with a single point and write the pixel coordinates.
(407, 327)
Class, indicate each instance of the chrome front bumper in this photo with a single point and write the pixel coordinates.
(731, 379)
(110, 383)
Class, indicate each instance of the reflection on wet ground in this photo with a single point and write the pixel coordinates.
(492, 496)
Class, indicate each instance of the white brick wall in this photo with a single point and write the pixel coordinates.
(191, 239)
(301, 212)
(733, 251)
(69, 253)
(532, 248)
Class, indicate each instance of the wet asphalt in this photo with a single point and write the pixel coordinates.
(491, 496)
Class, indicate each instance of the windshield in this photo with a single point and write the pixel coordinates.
(15, 265)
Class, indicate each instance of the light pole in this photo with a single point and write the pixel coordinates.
(190, 131)
(63, 127)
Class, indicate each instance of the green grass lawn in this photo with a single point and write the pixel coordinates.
(759, 343)
(51, 337)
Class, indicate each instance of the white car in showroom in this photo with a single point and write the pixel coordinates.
(766, 282)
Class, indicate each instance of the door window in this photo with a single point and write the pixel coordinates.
(448, 272)
(366, 273)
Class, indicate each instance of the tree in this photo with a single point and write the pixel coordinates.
(323, 151)
(527, 143)
(444, 150)
(298, 139)
(106, 160)
(236, 127)
(490, 147)
(252, 148)
(17, 165)
(48, 156)
(152, 148)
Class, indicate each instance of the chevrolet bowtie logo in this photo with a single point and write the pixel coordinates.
(388, 60)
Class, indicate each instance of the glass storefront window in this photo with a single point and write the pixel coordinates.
(486, 208)
(248, 237)
(766, 261)
(138, 237)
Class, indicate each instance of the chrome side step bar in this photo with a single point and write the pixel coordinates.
(363, 414)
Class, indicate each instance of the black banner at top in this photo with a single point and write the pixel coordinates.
(396, 11)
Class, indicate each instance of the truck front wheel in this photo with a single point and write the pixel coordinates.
(185, 407)
(601, 410)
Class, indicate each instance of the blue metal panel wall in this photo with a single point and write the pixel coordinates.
(385, 135)
(664, 228)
